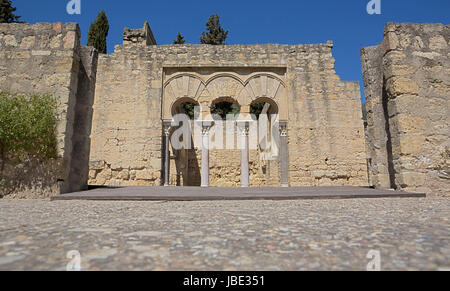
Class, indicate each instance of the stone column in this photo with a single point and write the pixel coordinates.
(205, 154)
(167, 127)
(284, 156)
(245, 170)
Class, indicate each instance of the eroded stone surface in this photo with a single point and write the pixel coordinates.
(408, 90)
(410, 234)
(47, 58)
(138, 85)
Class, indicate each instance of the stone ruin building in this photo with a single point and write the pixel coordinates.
(116, 111)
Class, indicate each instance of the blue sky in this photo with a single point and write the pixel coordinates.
(346, 22)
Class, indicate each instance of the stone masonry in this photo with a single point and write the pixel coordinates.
(325, 128)
(48, 58)
(139, 88)
(407, 84)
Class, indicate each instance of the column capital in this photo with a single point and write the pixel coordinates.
(167, 130)
(283, 129)
(167, 126)
(206, 126)
(245, 130)
(244, 126)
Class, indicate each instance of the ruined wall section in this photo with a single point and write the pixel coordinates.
(126, 133)
(326, 134)
(46, 58)
(377, 129)
(87, 72)
(416, 88)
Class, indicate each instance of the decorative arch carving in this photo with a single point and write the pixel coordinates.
(264, 85)
(185, 86)
(205, 89)
(224, 86)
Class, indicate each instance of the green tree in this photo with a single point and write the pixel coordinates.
(179, 40)
(98, 31)
(7, 12)
(188, 108)
(215, 34)
(257, 108)
(225, 108)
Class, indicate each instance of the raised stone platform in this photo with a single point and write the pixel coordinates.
(204, 194)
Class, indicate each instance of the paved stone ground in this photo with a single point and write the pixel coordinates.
(410, 233)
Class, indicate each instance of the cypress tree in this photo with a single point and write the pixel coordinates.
(98, 31)
(7, 12)
(179, 40)
(215, 34)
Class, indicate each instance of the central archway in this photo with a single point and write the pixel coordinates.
(216, 94)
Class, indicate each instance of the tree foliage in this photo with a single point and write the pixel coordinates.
(215, 34)
(27, 126)
(223, 109)
(98, 31)
(7, 12)
(257, 108)
(188, 108)
(179, 40)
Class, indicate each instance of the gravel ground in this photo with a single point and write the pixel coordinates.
(409, 234)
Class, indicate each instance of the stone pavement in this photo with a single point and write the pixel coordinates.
(409, 233)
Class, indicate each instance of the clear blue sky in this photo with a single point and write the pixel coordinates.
(346, 22)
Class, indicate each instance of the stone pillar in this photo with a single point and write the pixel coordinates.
(167, 127)
(245, 170)
(284, 156)
(205, 154)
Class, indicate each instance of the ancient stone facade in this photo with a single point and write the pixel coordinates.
(47, 58)
(139, 87)
(407, 85)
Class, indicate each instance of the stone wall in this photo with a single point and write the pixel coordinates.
(48, 58)
(407, 83)
(326, 133)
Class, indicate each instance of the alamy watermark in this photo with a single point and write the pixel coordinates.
(74, 7)
(75, 261)
(374, 7)
(235, 132)
(375, 260)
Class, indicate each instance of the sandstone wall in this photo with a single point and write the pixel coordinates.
(48, 58)
(326, 133)
(407, 80)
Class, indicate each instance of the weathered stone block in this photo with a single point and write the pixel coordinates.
(437, 42)
(401, 85)
(416, 110)
(411, 179)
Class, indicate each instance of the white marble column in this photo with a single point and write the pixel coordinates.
(205, 155)
(284, 156)
(167, 127)
(245, 169)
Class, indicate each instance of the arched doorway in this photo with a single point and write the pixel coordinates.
(220, 92)
(265, 158)
(225, 155)
(184, 156)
